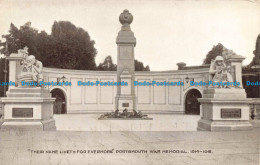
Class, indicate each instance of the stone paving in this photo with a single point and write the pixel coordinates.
(160, 122)
(227, 148)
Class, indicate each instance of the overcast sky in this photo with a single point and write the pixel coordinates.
(167, 32)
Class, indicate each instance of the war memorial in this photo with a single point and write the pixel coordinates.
(223, 106)
(128, 96)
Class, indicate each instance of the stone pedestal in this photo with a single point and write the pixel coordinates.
(28, 109)
(224, 110)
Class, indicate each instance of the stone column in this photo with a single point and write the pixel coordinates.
(125, 96)
(14, 67)
(236, 61)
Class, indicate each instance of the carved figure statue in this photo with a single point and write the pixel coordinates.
(36, 67)
(31, 69)
(219, 72)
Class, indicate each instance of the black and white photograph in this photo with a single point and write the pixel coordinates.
(129, 82)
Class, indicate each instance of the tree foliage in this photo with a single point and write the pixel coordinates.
(74, 45)
(213, 53)
(67, 46)
(256, 59)
(108, 65)
(139, 66)
(217, 50)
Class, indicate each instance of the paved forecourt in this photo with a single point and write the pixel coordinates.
(119, 147)
(160, 122)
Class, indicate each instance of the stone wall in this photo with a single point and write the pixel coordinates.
(150, 99)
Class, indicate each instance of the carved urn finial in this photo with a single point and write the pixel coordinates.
(126, 18)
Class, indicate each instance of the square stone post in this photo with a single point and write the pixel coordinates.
(14, 67)
(236, 61)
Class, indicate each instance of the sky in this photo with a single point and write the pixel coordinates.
(167, 32)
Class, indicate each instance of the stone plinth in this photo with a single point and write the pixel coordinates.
(224, 110)
(125, 101)
(28, 109)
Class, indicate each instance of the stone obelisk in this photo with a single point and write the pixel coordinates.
(125, 96)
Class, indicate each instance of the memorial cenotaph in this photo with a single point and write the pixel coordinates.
(125, 96)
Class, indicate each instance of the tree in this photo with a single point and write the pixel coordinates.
(139, 66)
(28, 37)
(13, 40)
(215, 51)
(147, 68)
(107, 65)
(45, 48)
(256, 59)
(19, 38)
(67, 47)
(72, 47)
(218, 50)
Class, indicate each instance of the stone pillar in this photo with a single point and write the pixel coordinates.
(236, 61)
(125, 96)
(14, 67)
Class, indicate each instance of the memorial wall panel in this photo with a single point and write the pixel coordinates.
(106, 92)
(91, 92)
(144, 93)
(159, 93)
(75, 91)
(174, 96)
